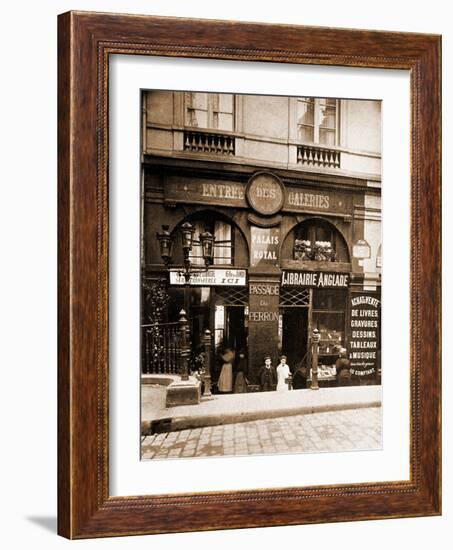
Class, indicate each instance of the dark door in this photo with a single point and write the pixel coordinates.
(294, 334)
(235, 328)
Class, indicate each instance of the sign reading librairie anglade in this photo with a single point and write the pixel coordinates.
(315, 279)
(211, 277)
(364, 335)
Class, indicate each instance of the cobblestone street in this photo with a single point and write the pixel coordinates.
(345, 430)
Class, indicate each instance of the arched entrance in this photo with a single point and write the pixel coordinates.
(313, 295)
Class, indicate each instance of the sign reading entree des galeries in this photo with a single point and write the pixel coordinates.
(264, 193)
(315, 279)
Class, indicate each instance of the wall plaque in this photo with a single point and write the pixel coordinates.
(265, 242)
(265, 193)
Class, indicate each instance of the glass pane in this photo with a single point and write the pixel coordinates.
(223, 251)
(305, 112)
(323, 233)
(306, 134)
(330, 300)
(331, 327)
(326, 137)
(327, 113)
(196, 254)
(200, 296)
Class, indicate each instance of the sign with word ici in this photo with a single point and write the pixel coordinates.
(364, 335)
(265, 193)
(211, 277)
(315, 279)
(265, 242)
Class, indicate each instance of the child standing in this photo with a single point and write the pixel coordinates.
(267, 375)
(283, 373)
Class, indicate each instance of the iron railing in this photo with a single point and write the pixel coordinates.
(161, 345)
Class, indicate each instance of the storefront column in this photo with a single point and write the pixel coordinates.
(263, 323)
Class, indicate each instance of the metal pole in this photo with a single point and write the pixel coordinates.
(187, 297)
(314, 360)
(184, 348)
(207, 364)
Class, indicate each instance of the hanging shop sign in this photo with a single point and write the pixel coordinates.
(315, 279)
(361, 250)
(265, 242)
(212, 277)
(265, 193)
(364, 339)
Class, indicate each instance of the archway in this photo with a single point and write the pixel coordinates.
(315, 239)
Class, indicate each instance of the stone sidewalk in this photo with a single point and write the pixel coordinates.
(342, 430)
(246, 407)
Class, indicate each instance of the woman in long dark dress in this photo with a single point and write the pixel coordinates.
(240, 382)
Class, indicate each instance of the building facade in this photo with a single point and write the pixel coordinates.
(290, 187)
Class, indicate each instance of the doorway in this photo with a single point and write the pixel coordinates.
(294, 334)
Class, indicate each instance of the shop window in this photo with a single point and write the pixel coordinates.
(209, 110)
(329, 318)
(317, 120)
(223, 244)
(318, 240)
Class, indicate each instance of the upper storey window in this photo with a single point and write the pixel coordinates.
(210, 111)
(317, 120)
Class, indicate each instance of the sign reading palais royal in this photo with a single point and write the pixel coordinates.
(265, 242)
(315, 279)
(211, 277)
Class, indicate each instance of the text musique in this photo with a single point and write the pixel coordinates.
(315, 279)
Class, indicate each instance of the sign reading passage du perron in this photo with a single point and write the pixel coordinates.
(364, 336)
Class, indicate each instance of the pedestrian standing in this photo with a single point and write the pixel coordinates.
(225, 382)
(267, 375)
(283, 374)
(240, 382)
(343, 365)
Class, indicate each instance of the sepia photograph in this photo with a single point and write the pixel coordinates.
(261, 271)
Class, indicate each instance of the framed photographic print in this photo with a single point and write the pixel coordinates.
(249, 275)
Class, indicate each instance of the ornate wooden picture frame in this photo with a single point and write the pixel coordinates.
(85, 507)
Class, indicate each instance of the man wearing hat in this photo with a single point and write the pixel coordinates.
(267, 375)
